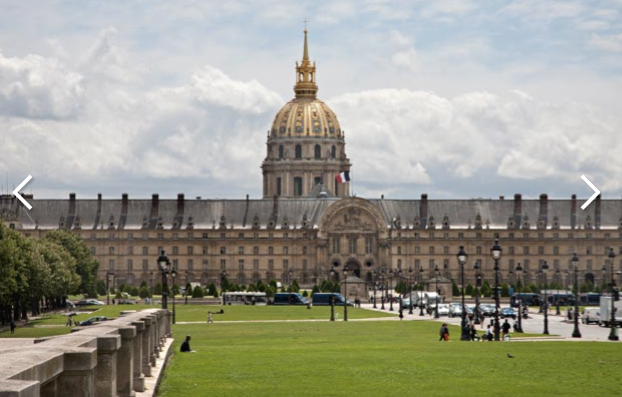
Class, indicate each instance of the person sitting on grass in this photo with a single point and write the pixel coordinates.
(185, 346)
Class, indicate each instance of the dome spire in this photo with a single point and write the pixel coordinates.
(305, 74)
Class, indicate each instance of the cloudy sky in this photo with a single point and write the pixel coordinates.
(454, 98)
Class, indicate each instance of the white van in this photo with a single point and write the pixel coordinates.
(591, 315)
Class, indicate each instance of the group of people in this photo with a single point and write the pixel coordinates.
(472, 332)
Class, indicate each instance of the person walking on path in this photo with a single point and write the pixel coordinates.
(12, 326)
(506, 328)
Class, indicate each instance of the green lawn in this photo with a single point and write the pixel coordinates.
(379, 358)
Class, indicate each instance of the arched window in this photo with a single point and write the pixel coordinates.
(281, 151)
(298, 151)
(297, 186)
(333, 151)
(318, 151)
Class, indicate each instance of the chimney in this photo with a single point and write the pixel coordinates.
(72, 204)
(573, 212)
(423, 210)
(518, 210)
(544, 209)
(124, 203)
(597, 211)
(180, 204)
(155, 205)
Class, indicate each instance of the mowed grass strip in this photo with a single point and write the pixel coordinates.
(379, 358)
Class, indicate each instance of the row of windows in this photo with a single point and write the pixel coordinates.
(317, 152)
(205, 263)
(511, 250)
(497, 235)
(204, 236)
(190, 250)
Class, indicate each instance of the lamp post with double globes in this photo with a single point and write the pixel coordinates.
(478, 283)
(391, 289)
(332, 301)
(613, 334)
(164, 264)
(383, 291)
(410, 289)
(462, 258)
(495, 252)
(345, 290)
(575, 264)
(519, 271)
(420, 293)
(375, 287)
(438, 296)
(173, 277)
(545, 308)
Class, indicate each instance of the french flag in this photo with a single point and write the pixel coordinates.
(343, 177)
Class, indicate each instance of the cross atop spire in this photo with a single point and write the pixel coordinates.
(305, 81)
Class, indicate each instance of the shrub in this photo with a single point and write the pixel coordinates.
(143, 292)
(135, 291)
(198, 292)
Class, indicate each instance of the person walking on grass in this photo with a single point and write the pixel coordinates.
(444, 333)
(210, 318)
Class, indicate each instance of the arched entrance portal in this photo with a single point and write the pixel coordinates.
(354, 268)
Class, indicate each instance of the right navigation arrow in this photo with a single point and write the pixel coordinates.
(596, 192)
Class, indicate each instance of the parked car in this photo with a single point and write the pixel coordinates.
(507, 312)
(455, 310)
(487, 310)
(89, 302)
(591, 315)
(126, 302)
(443, 309)
(92, 320)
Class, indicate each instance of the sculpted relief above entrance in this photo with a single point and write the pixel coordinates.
(351, 220)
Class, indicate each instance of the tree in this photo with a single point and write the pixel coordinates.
(455, 291)
(143, 292)
(211, 290)
(157, 290)
(86, 265)
(198, 292)
(470, 291)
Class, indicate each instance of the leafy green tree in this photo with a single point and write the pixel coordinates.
(295, 286)
(143, 292)
(86, 265)
(211, 290)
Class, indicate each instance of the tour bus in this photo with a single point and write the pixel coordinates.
(244, 298)
(289, 298)
(554, 297)
(323, 299)
(590, 299)
(526, 299)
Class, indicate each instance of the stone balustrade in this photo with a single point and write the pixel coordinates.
(108, 359)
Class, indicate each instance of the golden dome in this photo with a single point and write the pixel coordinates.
(303, 117)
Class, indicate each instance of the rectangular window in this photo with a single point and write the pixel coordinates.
(285, 264)
(431, 249)
(336, 247)
(205, 250)
(145, 250)
(304, 250)
(285, 250)
(175, 236)
(298, 186)
(399, 263)
(130, 236)
(270, 250)
(111, 251)
(130, 250)
(525, 250)
(368, 245)
(270, 264)
(240, 235)
(255, 250)
(130, 265)
(223, 250)
(223, 264)
(241, 265)
(190, 250)
(205, 264)
(399, 250)
(93, 250)
(190, 264)
(352, 245)
(478, 250)
(241, 250)
(145, 265)
(111, 264)
(256, 265)
(175, 250)
(304, 264)
(278, 186)
(446, 250)
(204, 236)
(540, 250)
(555, 250)
(417, 249)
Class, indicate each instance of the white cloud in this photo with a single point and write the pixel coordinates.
(612, 43)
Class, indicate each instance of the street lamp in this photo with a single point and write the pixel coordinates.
(345, 290)
(383, 292)
(151, 286)
(557, 278)
(613, 335)
(109, 276)
(436, 274)
(410, 289)
(545, 267)
(462, 258)
(164, 264)
(419, 294)
(575, 264)
(495, 252)
(519, 271)
(186, 289)
(290, 274)
(478, 282)
(375, 287)
(332, 300)
(391, 289)
(173, 276)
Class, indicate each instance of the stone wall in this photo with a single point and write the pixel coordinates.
(109, 359)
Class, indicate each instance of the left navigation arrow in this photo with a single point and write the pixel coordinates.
(19, 196)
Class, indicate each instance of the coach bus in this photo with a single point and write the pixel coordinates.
(244, 298)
